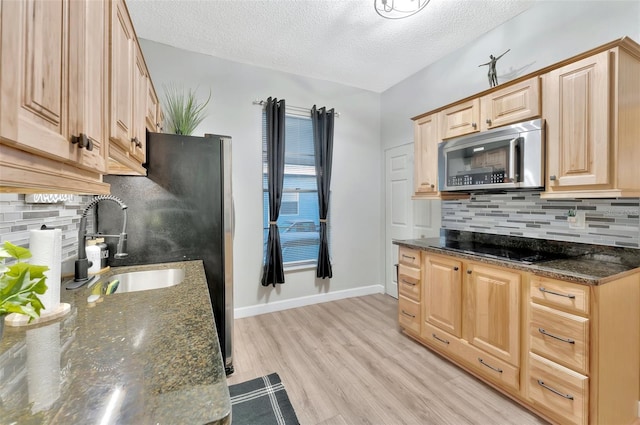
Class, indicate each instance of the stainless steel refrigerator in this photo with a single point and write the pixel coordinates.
(182, 210)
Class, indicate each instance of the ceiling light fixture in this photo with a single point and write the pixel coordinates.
(398, 9)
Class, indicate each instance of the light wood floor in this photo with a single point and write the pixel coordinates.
(346, 362)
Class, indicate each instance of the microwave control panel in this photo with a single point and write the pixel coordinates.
(498, 176)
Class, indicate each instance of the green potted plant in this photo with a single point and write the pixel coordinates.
(19, 284)
(183, 112)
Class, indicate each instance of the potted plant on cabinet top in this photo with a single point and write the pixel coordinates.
(183, 112)
(19, 284)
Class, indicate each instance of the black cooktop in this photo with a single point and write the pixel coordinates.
(522, 255)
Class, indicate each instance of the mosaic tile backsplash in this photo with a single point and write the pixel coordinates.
(17, 217)
(613, 222)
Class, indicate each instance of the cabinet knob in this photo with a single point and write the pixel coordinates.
(432, 186)
(552, 178)
(468, 271)
(488, 121)
(82, 141)
(455, 269)
(137, 142)
(474, 125)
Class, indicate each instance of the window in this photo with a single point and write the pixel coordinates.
(290, 204)
(298, 222)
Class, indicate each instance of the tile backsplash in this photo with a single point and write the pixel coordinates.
(612, 222)
(17, 217)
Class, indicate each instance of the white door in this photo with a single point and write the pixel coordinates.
(404, 218)
(398, 212)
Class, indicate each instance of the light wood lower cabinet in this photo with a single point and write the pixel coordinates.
(567, 351)
(443, 293)
(562, 393)
(492, 311)
(409, 290)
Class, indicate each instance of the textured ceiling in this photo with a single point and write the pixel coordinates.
(341, 41)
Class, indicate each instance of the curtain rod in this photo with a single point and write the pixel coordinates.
(293, 108)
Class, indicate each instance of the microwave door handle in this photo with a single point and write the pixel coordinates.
(513, 146)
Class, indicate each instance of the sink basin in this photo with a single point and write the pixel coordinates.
(145, 280)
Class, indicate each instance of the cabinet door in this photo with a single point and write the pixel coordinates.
(88, 82)
(138, 140)
(34, 82)
(493, 311)
(122, 85)
(512, 104)
(460, 119)
(576, 108)
(426, 155)
(443, 293)
(153, 107)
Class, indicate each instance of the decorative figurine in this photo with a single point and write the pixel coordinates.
(493, 77)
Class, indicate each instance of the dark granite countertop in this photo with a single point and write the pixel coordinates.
(579, 263)
(146, 357)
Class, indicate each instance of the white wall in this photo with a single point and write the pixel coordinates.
(545, 34)
(356, 204)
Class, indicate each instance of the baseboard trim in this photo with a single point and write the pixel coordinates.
(271, 307)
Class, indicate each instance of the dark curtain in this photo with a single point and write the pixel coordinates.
(273, 271)
(322, 122)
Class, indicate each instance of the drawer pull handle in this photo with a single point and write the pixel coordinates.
(408, 283)
(408, 256)
(413, 316)
(553, 390)
(568, 340)
(489, 366)
(440, 339)
(556, 293)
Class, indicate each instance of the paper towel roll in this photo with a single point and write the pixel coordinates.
(46, 250)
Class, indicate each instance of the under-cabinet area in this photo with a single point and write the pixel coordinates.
(563, 347)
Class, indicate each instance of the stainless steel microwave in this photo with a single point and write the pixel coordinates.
(510, 157)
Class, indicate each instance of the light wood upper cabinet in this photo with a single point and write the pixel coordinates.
(460, 119)
(442, 282)
(130, 91)
(576, 104)
(492, 311)
(515, 103)
(140, 80)
(52, 55)
(425, 138)
(122, 77)
(592, 110)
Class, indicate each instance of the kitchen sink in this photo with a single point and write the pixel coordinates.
(143, 280)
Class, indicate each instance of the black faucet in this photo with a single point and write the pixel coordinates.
(82, 263)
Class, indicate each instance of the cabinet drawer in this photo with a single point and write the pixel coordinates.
(443, 341)
(567, 296)
(409, 282)
(409, 314)
(490, 367)
(409, 257)
(561, 392)
(560, 336)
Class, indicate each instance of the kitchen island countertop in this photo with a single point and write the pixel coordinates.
(146, 357)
